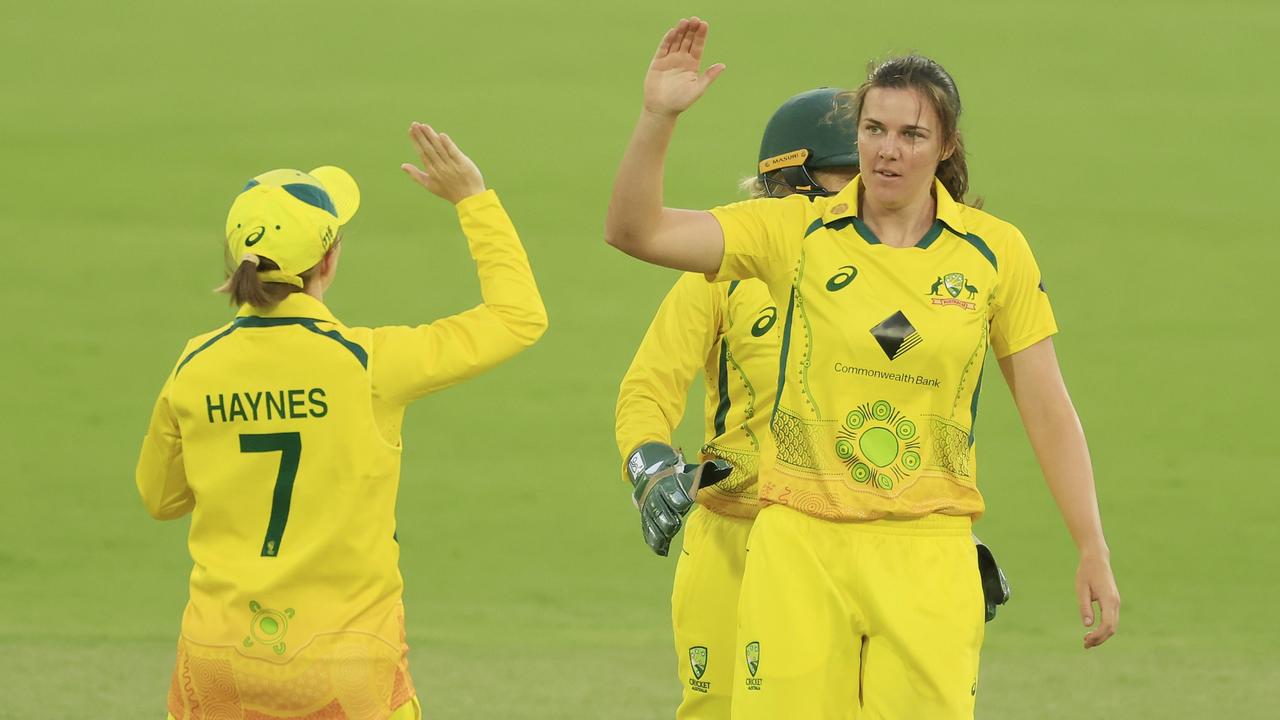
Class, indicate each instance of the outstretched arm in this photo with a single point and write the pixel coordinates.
(637, 222)
(1059, 443)
(409, 362)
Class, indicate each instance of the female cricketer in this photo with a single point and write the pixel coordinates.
(860, 562)
(280, 433)
(729, 330)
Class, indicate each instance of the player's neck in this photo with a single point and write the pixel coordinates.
(899, 226)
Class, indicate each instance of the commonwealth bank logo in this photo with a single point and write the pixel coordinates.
(896, 335)
(698, 661)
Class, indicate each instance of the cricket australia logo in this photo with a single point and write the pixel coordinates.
(698, 661)
(954, 284)
(753, 665)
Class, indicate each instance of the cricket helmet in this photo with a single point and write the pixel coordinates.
(811, 130)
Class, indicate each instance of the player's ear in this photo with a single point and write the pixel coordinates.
(330, 261)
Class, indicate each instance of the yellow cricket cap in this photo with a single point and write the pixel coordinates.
(292, 218)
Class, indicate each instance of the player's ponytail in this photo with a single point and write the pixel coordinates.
(935, 83)
(245, 287)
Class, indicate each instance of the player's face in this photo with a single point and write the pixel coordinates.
(900, 145)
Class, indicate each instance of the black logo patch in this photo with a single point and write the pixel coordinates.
(896, 335)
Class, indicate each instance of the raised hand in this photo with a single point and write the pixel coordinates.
(673, 82)
(445, 171)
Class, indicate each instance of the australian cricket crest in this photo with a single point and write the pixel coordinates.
(753, 665)
(953, 284)
(698, 661)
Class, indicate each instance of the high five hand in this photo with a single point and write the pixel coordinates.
(445, 171)
(673, 82)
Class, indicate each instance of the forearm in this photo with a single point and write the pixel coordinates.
(507, 284)
(1059, 443)
(635, 208)
(160, 474)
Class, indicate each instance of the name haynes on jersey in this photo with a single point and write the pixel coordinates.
(267, 405)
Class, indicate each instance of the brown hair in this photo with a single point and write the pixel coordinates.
(935, 83)
(245, 287)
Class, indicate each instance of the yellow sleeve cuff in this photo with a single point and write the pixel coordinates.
(477, 202)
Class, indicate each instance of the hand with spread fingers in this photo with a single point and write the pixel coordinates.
(445, 171)
(1095, 583)
(673, 82)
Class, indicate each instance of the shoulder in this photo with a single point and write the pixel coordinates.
(199, 343)
(999, 239)
(784, 208)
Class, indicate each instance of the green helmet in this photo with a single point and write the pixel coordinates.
(810, 130)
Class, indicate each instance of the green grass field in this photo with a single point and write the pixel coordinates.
(1133, 142)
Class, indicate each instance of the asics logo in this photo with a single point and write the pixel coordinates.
(255, 236)
(765, 322)
(842, 278)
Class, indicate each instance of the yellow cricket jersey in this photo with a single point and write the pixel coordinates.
(729, 330)
(882, 349)
(280, 434)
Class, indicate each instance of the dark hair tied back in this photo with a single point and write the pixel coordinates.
(246, 288)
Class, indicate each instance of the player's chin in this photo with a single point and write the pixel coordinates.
(885, 190)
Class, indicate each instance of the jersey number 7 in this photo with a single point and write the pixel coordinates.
(289, 445)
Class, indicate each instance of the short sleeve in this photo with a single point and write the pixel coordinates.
(1021, 315)
(761, 237)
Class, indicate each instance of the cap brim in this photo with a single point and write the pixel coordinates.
(342, 190)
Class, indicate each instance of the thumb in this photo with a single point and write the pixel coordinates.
(715, 471)
(413, 172)
(711, 73)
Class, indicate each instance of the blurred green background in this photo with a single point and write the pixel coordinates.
(1133, 142)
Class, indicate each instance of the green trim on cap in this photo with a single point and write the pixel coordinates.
(311, 195)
